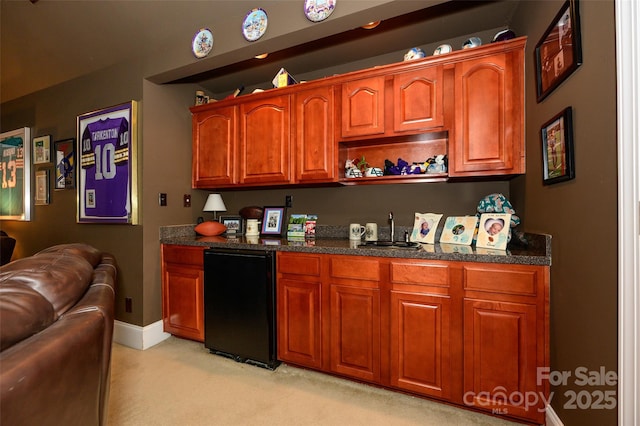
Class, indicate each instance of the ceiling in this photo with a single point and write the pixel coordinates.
(51, 41)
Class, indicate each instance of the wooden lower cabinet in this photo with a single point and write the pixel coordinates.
(473, 334)
(183, 291)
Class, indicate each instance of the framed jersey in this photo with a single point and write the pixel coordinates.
(15, 191)
(107, 176)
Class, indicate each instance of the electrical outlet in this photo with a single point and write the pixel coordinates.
(128, 305)
(162, 199)
(288, 200)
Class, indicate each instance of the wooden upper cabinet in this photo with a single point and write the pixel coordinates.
(214, 147)
(265, 141)
(363, 107)
(315, 150)
(418, 99)
(488, 134)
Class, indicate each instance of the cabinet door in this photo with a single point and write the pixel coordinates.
(418, 99)
(183, 291)
(314, 131)
(265, 141)
(420, 347)
(500, 358)
(489, 108)
(355, 332)
(214, 147)
(299, 332)
(363, 107)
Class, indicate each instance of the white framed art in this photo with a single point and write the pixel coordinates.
(493, 231)
(459, 230)
(424, 227)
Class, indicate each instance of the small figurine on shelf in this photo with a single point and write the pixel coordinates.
(437, 164)
(351, 170)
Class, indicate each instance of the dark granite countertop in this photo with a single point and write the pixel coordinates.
(333, 240)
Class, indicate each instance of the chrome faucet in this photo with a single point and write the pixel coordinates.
(393, 227)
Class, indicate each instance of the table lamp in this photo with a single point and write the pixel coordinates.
(214, 204)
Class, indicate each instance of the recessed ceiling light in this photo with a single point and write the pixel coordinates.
(371, 25)
(261, 56)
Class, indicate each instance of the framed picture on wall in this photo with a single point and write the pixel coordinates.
(42, 187)
(65, 162)
(107, 176)
(557, 148)
(559, 52)
(42, 149)
(15, 165)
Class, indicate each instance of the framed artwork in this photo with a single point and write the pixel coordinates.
(65, 162)
(42, 187)
(493, 231)
(424, 227)
(559, 51)
(15, 165)
(42, 149)
(233, 224)
(459, 230)
(272, 220)
(107, 176)
(557, 148)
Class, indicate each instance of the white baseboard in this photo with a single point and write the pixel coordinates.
(551, 418)
(137, 337)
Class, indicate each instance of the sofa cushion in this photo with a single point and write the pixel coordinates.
(61, 277)
(23, 313)
(89, 253)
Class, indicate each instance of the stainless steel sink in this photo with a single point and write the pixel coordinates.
(390, 245)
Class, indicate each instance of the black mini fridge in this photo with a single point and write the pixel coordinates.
(240, 305)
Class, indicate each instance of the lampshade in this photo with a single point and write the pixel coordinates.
(214, 204)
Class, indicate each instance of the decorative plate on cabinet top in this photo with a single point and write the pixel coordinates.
(202, 43)
(254, 24)
(318, 10)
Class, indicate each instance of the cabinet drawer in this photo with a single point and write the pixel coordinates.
(511, 279)
(300, 264)
(420, 273)
(353, 267)
(184, 255)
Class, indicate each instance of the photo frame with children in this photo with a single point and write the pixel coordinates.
(424, 227)
(493, 231)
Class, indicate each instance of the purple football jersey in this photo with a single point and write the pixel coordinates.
(105, 161)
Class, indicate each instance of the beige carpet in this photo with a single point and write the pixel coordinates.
(178, 382)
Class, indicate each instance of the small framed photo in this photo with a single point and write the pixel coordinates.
(424, 227)
(559, 52)
(459, 230)
(42, 149)
(233, 224)
(272, 220)
(557, 148)
(65, 162)
(42, 187)
(493, 231)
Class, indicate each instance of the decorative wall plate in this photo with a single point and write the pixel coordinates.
(318, 10)
(254, 24)
(202, 43)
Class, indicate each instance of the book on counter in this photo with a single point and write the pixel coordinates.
(301, 226)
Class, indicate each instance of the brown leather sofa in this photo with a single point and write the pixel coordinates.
(56, 328)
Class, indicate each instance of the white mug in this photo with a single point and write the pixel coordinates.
(371, 232)
(356, 231)
(252, 227)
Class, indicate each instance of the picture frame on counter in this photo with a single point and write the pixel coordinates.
(65, 163)
(42, 149)
(16, 193)
(233, 223)
(557, 148)
(272, 220)
(559, 52)
(107, 174)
